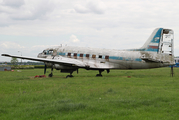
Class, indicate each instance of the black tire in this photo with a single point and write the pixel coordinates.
(50, 75)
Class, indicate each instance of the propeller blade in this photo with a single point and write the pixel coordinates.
(45, 68)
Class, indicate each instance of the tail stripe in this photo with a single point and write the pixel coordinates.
(156, 38)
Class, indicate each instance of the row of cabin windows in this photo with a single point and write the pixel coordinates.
(87, 55)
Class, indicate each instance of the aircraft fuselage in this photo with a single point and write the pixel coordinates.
(95, 58)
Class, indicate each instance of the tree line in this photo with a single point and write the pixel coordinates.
(15, 62)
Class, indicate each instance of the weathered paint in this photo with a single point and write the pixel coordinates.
(152, 54)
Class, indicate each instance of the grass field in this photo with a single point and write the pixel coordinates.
(122, 94)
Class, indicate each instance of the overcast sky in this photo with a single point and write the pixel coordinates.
(29, 26)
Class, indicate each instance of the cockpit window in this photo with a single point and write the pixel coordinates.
(48, 52)
(44, 52)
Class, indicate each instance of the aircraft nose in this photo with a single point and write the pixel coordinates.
(39, 55)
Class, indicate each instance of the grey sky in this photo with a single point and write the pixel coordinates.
(30, 26)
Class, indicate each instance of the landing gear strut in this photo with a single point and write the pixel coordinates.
(99, 75)
(100, 71)
(69, 75)
(51, 74)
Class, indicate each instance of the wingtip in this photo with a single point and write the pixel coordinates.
(5, 55)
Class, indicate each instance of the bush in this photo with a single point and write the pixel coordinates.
(23, 67)
(39, 66)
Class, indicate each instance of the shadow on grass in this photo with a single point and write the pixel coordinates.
(157, 102)
(71, 107)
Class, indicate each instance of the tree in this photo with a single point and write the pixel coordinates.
(14, 61)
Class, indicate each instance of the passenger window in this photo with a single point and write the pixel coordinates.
(81, 55)
(75, 55)
(87, 55)
(107, 57)
(100, 56)
(93, 56)
(69, 54)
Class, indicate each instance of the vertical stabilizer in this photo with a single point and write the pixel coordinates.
(160, 41)
(152, 44)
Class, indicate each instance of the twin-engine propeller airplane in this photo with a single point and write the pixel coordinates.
(156, 52)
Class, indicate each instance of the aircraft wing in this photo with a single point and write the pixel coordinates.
(66, 61)
(59, 60)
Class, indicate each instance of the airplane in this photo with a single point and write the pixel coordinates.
(156, 52)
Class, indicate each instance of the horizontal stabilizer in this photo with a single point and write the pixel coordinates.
(157, 58)
(151, 60)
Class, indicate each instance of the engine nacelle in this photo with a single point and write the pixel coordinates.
(59, 67)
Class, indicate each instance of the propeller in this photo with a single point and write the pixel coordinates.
(45, 68)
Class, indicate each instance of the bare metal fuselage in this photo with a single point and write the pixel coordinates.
(109, 58)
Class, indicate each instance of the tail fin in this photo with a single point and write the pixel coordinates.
(160, 41)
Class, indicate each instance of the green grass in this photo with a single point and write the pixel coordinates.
(121, 94)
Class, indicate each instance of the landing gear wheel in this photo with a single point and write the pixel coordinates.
(99, 75)
(69, 76)
(50, 75)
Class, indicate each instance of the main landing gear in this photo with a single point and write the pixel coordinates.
(51, 74)
(72, 70)
(100, 71)
(69, 75)
(69, 71)
(99, 75)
